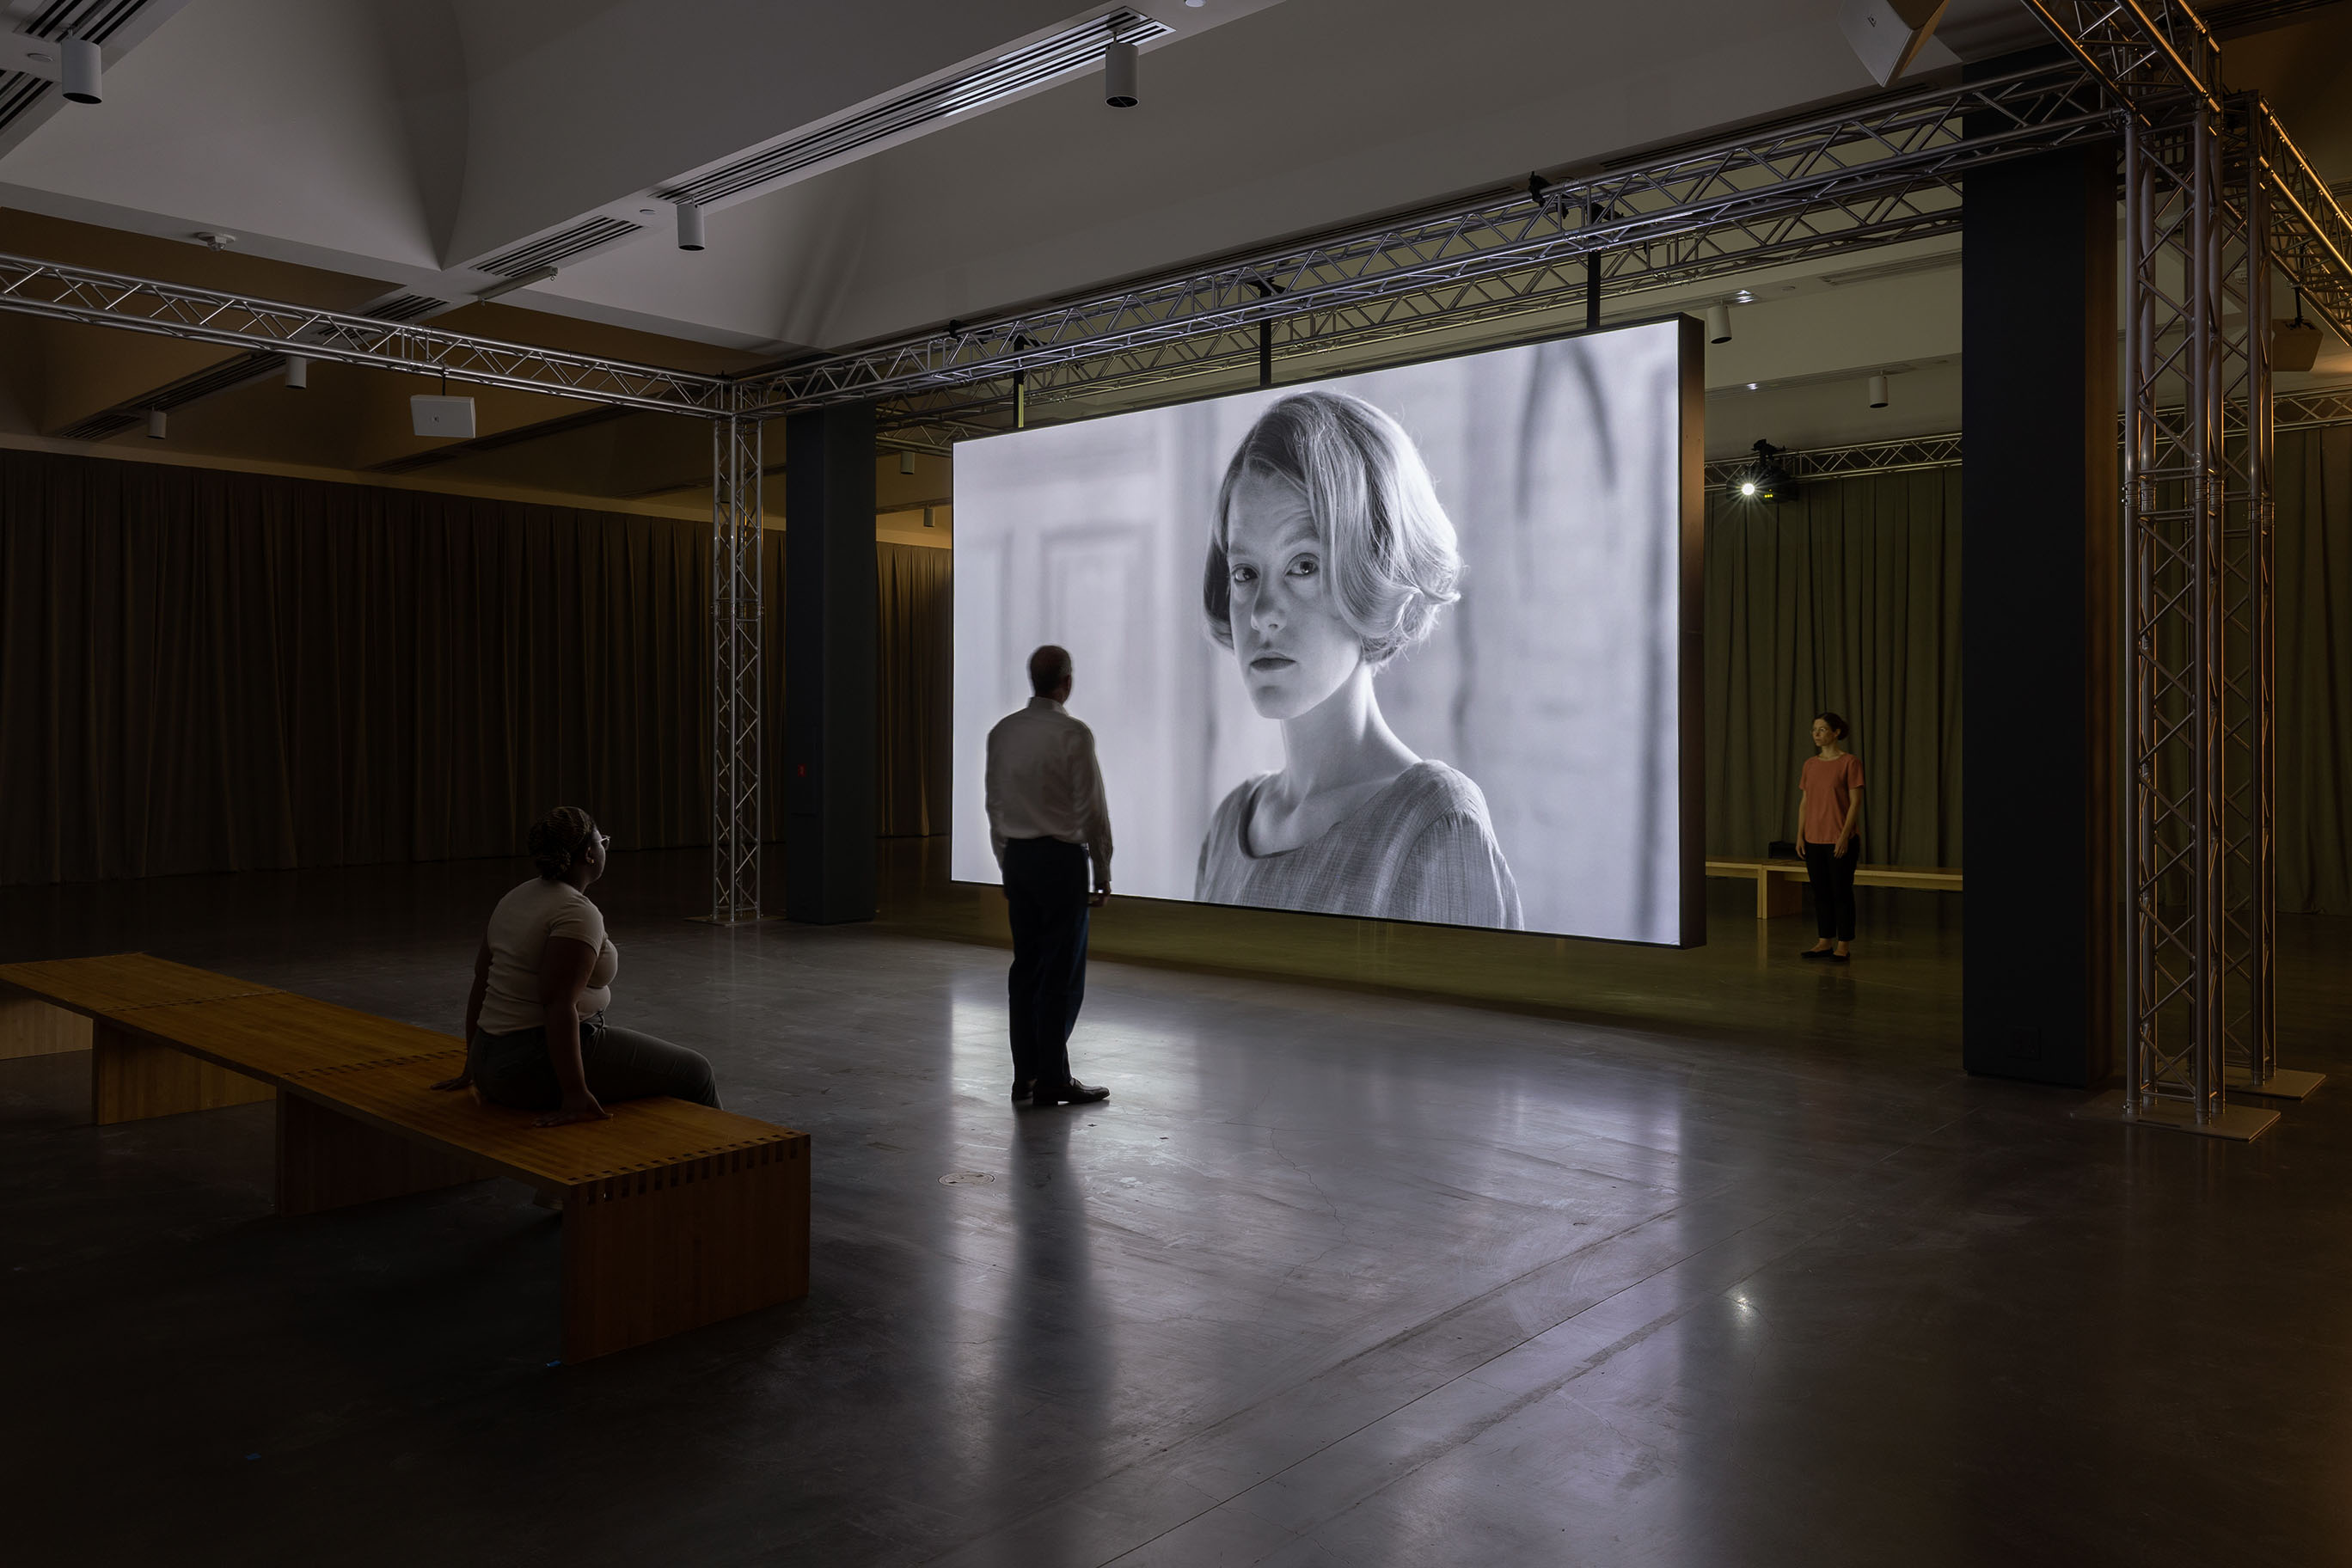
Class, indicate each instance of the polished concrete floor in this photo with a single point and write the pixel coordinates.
(1337, 1278)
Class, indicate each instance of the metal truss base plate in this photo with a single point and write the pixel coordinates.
(2239, 1123)
(2284, 1083)
(739, 921)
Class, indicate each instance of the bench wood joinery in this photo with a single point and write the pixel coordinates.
(674, 1214)
(1777, 881)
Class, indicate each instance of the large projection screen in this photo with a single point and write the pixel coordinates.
(1553, 705)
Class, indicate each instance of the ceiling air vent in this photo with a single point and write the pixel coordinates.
(558, 247)
(1077, 49)
(1908, 267)
(403, 308)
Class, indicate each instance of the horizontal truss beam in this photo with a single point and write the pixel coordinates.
(2310, 409)
(1880, 173)
(59, 292)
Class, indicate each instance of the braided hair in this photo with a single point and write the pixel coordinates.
(556, 839)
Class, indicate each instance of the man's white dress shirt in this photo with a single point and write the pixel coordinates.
(1043, 782)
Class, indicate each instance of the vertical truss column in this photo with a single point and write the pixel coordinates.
(735, 674)
(2249, 651)
(2196, 509)
(2172, 1061)
(2249, 1047)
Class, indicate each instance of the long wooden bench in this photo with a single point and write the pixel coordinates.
(1777, 881)
(674, 1214)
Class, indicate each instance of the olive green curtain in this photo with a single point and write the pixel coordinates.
(205, 671)
(2312, 592)
(916, 684)
(1846, 598)
(1849, 598)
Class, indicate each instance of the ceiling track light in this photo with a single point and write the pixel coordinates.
(690, 225)
(1878, 390)
(81, 71)
(298, 373)
(1718, 322)
(906, 463)
(1119, 75)
(156, 423)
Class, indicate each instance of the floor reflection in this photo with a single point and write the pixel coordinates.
(1057, 1353)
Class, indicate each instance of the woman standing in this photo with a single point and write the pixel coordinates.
(1830, 818)
(535, 1031)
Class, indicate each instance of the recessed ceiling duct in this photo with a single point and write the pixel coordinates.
(555, 249)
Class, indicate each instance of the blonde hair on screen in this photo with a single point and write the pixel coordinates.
(1390, 547)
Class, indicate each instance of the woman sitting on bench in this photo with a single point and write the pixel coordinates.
(535, 1030)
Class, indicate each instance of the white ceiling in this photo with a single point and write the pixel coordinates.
(403, 138)
(398, 140)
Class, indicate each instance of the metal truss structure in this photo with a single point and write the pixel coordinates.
(2309, 409)
(232, 320)
(1877, 173)
(1905, 456)
(736, 630)
(2212, 203)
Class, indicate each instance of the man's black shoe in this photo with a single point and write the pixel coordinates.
(1071, 1093)
(1020, 1091)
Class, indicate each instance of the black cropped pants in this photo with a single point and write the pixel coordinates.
(1832, 875)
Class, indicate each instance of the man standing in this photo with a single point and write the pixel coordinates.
(1046, 817)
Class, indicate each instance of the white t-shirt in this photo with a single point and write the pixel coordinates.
(519, 928)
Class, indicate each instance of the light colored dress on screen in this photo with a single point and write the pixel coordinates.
(1421, 850)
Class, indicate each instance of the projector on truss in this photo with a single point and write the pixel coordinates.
(1765, 479)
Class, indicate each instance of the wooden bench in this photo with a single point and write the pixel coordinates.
(674, 1214)
(1777, 881)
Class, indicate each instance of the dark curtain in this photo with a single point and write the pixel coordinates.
(917, 684)
(202, 671)
(1846, 598)
(205, 671)
(2313, 588)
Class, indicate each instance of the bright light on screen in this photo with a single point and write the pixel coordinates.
(1544, 705)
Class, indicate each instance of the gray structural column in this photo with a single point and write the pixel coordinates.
(2039, 673)
(829, 666)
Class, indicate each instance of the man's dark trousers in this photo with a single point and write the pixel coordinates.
(1045, 884)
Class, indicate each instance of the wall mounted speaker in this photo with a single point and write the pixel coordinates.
(2295, 345)
(1889, 34)
(447, 418)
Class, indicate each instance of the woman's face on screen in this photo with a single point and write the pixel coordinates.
(1293, 645)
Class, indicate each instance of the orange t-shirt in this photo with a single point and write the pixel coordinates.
(1830, 784)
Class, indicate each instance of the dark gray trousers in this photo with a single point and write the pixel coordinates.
(1045, 884)
(619, 1064)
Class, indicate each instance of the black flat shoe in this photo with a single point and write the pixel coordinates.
(1837, 957)
(1071, 1093)
(1817, 952)
(1020, 1091)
